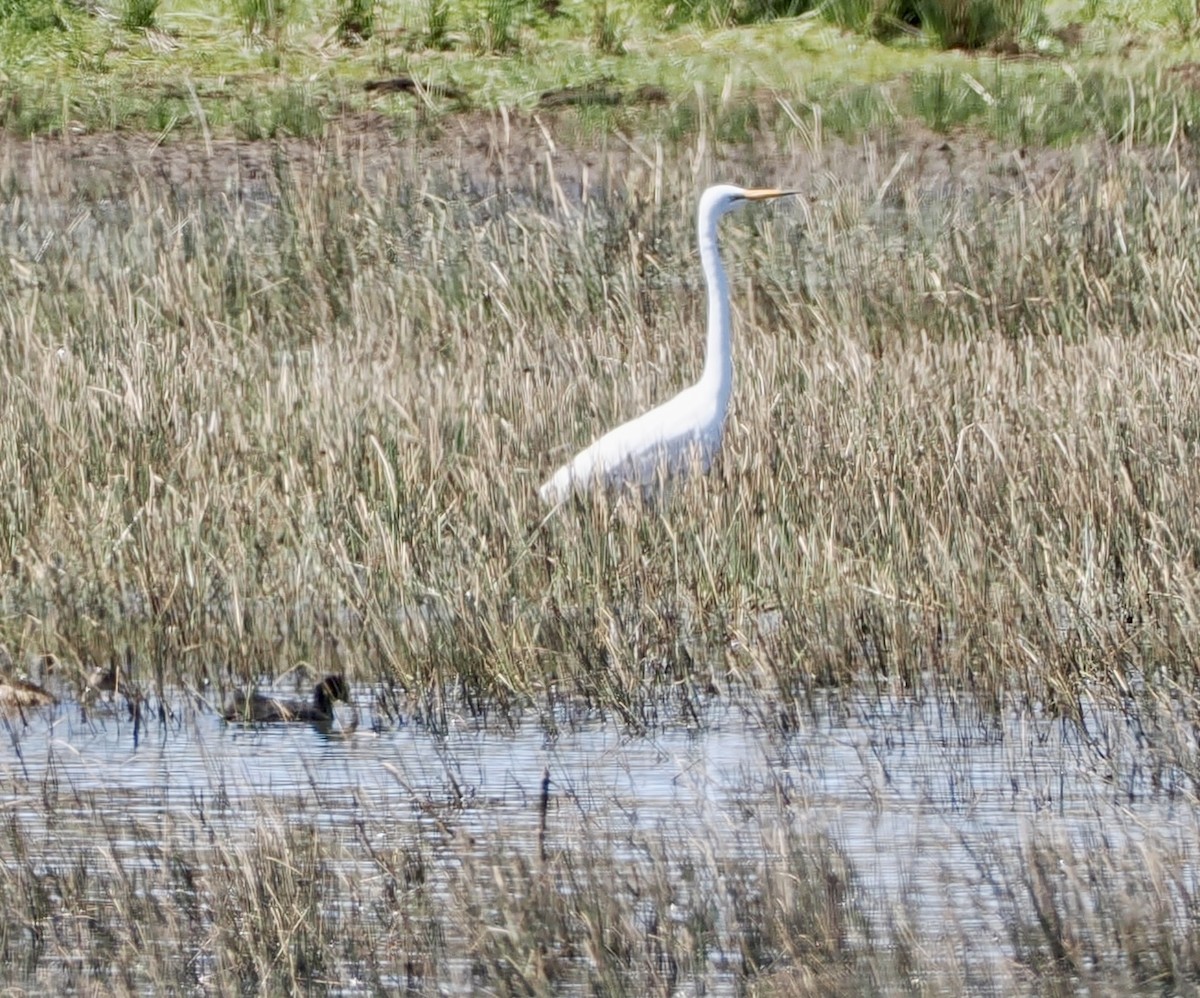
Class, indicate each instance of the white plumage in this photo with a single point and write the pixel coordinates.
(684, 432)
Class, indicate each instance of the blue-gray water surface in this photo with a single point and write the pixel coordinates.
(917, 792)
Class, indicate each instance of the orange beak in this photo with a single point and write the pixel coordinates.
(762, 193)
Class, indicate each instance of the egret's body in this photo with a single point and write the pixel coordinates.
(683, 433)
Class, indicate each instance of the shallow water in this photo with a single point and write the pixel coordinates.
(924, 796)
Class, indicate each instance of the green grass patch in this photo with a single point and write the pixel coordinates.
(139, 14)
(263, 68)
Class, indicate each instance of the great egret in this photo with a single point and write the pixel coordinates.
(684, 432)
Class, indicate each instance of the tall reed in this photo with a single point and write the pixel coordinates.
(306, 424)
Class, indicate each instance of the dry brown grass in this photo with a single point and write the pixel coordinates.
(243, 435)
(305, 428)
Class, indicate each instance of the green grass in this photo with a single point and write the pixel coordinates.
(66, 70)
(139, 14)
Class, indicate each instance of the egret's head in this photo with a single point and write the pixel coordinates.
(722, 198)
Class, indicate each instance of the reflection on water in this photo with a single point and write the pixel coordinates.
(917, 793)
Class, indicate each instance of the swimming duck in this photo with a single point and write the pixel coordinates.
(262, 708)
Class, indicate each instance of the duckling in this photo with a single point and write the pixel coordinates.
(108, 684)
(21, 694)
(264, 709)
(17, 694)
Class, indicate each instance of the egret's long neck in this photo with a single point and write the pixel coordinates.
(718, 354)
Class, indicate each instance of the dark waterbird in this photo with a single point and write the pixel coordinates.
(262, 708)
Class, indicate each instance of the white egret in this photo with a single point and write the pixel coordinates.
(684, 432)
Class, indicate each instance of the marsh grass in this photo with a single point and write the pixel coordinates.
(334, 884)
(974, 25)
(355, 20)
(34, 16)
(176, 903)
(297, 423)
(724, 13)
(437, 20)
(607, 30)
(496, 25)
(948, 24)
(268, 18)
(294, 419)
(1036, 105)
(309, 425)
(138, 15)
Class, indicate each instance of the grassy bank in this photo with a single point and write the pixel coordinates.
(1026, 72)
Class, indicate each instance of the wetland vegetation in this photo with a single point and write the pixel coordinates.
(901, 698)
(1019, 70)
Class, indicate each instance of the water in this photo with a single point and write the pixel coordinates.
(926, 797)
